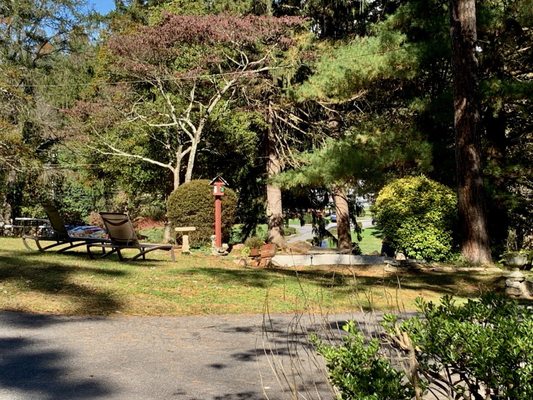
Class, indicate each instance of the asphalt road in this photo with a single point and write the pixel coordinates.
(204, 358)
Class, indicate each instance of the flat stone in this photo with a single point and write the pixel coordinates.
(516, 275)
(237, 248)
(185, 229)
(284, 260)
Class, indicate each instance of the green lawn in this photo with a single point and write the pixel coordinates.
(370, 242)
(202, 284)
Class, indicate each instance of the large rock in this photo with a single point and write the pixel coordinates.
(236, 249)
(299, 247)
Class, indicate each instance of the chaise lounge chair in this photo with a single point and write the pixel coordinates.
(59, 234)
(122, 236)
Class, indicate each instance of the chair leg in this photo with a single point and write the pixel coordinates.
(102, 247)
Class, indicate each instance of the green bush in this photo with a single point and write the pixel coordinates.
(359, 372)
(479, 350)
(192, 204)
(254, 242)
(416, 216)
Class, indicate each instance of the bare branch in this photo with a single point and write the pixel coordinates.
(121, 153)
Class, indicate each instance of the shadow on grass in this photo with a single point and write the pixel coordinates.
(252, 278)
(462, 284)
(53, 280)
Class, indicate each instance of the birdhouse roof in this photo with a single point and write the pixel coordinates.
(218, 178)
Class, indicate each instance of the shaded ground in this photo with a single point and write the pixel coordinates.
(205, 357)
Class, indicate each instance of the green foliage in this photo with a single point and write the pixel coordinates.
(239, 234)
(370, 153)
(485, 344)
(347, 69)
(416, 215)
(200, 7)
(254, 242)
(153, 235)
(42, 69)
(359, 371)
(289, 230)
(192, 204)
(479, 350)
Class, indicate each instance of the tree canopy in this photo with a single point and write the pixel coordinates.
(279, 96)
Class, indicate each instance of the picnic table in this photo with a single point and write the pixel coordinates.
(24, 225)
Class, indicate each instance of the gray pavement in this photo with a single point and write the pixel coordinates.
(204, 357)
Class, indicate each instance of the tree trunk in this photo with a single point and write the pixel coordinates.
(274, 208)
(177, 168)
(343, 219)
(475, 246)
(192, 158)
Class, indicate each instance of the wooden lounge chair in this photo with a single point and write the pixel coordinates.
(58, 234)
(122, 236)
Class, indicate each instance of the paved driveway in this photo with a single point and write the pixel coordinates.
(206, 357)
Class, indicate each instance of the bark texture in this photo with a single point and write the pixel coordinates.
(274, 207)
(475, 246)
(343, 219)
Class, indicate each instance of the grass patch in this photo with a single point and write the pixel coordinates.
(152, 235)
(370, 242)
(73, 284)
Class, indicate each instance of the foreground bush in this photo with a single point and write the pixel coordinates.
(192, 204)
(416, 216)
(480, 350)
(359, 372)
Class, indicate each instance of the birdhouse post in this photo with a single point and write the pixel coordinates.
(218, 184)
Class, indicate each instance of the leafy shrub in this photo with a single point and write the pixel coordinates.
(152, 235)
(254, 242)
(359, 372)
(416, 216)
(192, 204)
(479, 350)
(483, 346)
(238, 236)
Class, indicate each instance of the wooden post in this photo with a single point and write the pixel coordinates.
(218, 184)
(218, 221)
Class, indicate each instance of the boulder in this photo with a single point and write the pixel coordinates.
(299, 247)
(236, 249)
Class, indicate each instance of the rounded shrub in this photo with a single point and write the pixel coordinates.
(416, 215)
(193, 204)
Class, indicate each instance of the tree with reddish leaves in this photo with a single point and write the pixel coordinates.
(182, 72)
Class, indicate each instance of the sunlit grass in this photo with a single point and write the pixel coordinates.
(203, 284)
(370, 241)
